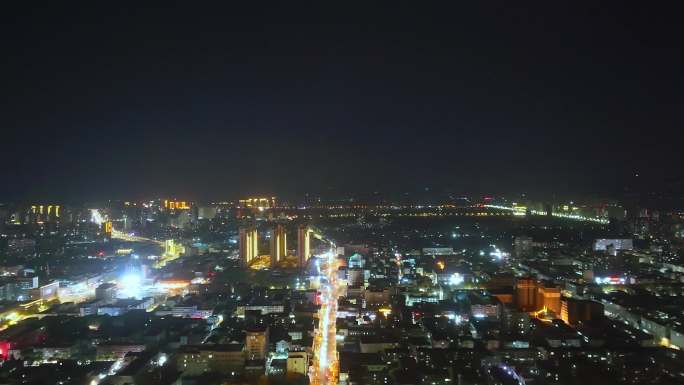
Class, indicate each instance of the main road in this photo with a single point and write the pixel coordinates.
(116, 234)
(324, 370)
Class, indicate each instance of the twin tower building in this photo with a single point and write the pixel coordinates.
(249, 245)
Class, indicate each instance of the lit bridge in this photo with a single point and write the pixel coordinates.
(522, 211)
(116, 234)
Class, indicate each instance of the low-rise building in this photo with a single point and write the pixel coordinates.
(194, 360)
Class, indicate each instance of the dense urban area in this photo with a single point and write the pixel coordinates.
(477, 290)
(340, 193)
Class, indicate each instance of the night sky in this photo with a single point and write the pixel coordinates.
(338, 98)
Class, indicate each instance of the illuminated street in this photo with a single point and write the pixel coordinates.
(325, 366)
(116, 234)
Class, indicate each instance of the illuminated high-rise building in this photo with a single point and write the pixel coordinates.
(249, 244)
(531, 296)
(526, 294)
(258, 203)
(549, 298)
(43, 213)
(303, 244)
(278, 244)
(176, 205)
(574, 311)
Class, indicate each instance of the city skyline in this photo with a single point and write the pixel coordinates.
(331, 193)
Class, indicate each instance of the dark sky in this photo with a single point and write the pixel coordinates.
(336, 97)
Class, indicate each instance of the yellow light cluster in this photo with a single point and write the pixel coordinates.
(176, 205)
(46, 209)
(262, 203)
(107, 227)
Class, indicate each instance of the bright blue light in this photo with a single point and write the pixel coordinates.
(130, 285)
